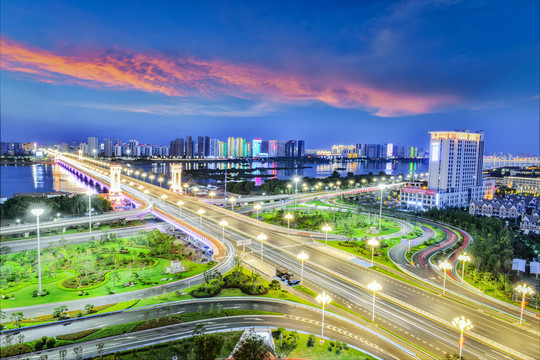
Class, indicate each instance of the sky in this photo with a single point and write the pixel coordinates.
(328, 72)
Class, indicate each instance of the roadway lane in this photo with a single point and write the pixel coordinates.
(298, 317)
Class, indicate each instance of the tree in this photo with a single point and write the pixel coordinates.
(252, 347)
(115, 277)
(63, 354)
(8, 339)
(78, 352)
(147, 316)
(17, 318)
(89, 308)
(208, 347)
(60, 312)
(199, 330)
(100, 346)
(275, 285)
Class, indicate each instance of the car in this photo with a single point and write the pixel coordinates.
(67, 323)
(293, 282)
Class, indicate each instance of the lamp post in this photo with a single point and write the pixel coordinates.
(195, 190)
(257, 207)
(90, 193)
(374, 287)
(373, 243)
(381, 186)
(212, 194)
(445, 266)
(143, 175)
(160, 180)
(326, 229)
(463, 258)
(524, 290)
(180, 203)
(288, 217)
(463, 324)
(152, 177)
(289, 186)
(302, 257)
(323, 299)
(223, 223)
(261, 237)
(296, 180)
(232, 200)
(37, 213)
(201, 212)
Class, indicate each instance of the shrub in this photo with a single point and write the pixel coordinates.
(77, 335)
(34, 293)
(332, 344)
(44, 339)
(338, 352)
(50, 342)
(38, 345)
(311, 341)
(329, 349)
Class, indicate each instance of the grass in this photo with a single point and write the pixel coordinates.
(320, 351)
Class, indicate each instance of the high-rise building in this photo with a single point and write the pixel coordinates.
(290, 148)
(213, 151)
(92, 149)
(272, 148)
(134, 148)
(256, 147)
(455, 171)
(301, 148)
(117, 150)
(189, 147)
(108, 148)
(206, 146)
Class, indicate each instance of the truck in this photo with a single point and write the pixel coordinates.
(284, 274)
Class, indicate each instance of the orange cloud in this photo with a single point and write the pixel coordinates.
(184, 77)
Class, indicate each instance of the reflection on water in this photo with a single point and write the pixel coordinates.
(37, 178)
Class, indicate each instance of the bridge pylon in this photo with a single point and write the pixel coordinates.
(79, 152)
(115, 192)
(176, 177)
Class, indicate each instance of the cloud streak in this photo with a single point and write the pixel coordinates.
(216, 79)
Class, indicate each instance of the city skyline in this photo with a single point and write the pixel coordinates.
(178, 69)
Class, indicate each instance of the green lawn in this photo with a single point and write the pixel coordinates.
(323, 351)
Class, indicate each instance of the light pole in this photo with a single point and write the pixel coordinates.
(524, 290)
(37, 213)
(143, 175)
(90, 193)
(261, 237)
(464, 258)
(289, 186)
(381, 186)
(152, 177)
(445, 266)
(374, 287)
(257, 207)
(160, 180)
(201, 212)
(323, 299)
(373, 243)
(195, 190)
(326, 229)
(296, 180)
(302, 257)
(288, 216)
(180, 203)
(212, 194)
(223, 223)
(463, 324)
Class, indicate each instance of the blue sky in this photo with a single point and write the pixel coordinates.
(326, 72)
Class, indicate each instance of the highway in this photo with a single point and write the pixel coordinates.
(300, 317)
(332, 272)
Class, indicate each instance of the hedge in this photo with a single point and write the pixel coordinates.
(14, 350)
(119, 306)
(77, 335)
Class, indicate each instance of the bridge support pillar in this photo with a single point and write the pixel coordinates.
(79, 152)
(115, 192)
(176, 177)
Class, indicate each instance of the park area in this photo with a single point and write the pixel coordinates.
(100, 267)
(350, 224)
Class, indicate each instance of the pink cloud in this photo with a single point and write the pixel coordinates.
(189, 77)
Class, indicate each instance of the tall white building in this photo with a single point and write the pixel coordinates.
(92, 146)
(455, 171)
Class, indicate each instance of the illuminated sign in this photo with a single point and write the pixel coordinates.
(412, 190)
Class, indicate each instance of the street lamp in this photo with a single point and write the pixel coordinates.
(90, 193)
(201, 212)
(180, 203)
(381, 186)
(37, 213)
(261, 237)
(152, 177)
(463, 324)
(212, 194)
(323, 299)
(257, 207)
(302, 257)
(137, 174)
(143, 175)
(373, 243)
(524, 290)
(289, 186)
(288, 217)
(464, 258)
(445, 266)
(223, 223)
(232, 200)
(160, 180)
(374, 287)
(296, 180)
(195, 190)
(326, 229)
